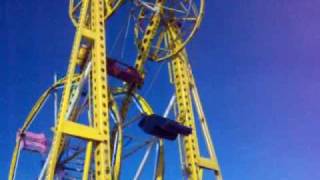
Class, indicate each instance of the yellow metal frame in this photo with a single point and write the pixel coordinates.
(30, 119)
(185, 89)
(58, 135)
(91, 15)
(91, 28)
(146, 108)
(143, 52)
(179, 46)
(110, 6)
(82, 131)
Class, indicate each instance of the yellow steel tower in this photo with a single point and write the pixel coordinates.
(95, 116)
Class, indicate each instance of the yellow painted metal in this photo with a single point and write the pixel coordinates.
(35, 109)
(100, 130)
(58, 136)
(186, 89)
(100, 133)
(207, 163)
(91, 27)
(116, 169)
(88, 33)
(160, 166)
(87, 161)
(25, 126)
(143, 53)
(102, 152)
(119, 143)
(144, 46)
(179, 46)
(147, 110)
(142, 102)
(14, 159)
(142, 57)
(81, 131)
(204, 126)
(110, 7)
(72, 9)
(185, 114)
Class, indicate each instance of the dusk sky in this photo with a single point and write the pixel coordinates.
(256, 64)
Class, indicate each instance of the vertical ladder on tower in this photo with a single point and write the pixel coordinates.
(90, 31)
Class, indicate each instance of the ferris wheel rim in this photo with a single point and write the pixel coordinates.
(144, 105)
(182, 45)
(110, 10)
(191, 35)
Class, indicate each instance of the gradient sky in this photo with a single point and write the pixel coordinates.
(256, 65)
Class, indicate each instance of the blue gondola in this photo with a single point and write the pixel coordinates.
(163, 127)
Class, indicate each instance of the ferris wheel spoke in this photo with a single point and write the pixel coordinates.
(143, 161)
(138, 147)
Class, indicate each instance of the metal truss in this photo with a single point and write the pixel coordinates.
(96, 147)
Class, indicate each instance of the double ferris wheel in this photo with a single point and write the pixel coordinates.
(105, 127)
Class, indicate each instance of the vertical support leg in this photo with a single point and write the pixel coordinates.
(102, 151)
(186, 89)
(185, 114)
(58, 138)
(87, 161)
(143, 53)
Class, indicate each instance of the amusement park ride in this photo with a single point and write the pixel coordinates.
(104, 127)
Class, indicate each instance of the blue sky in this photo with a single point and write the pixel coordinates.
(256, 65)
